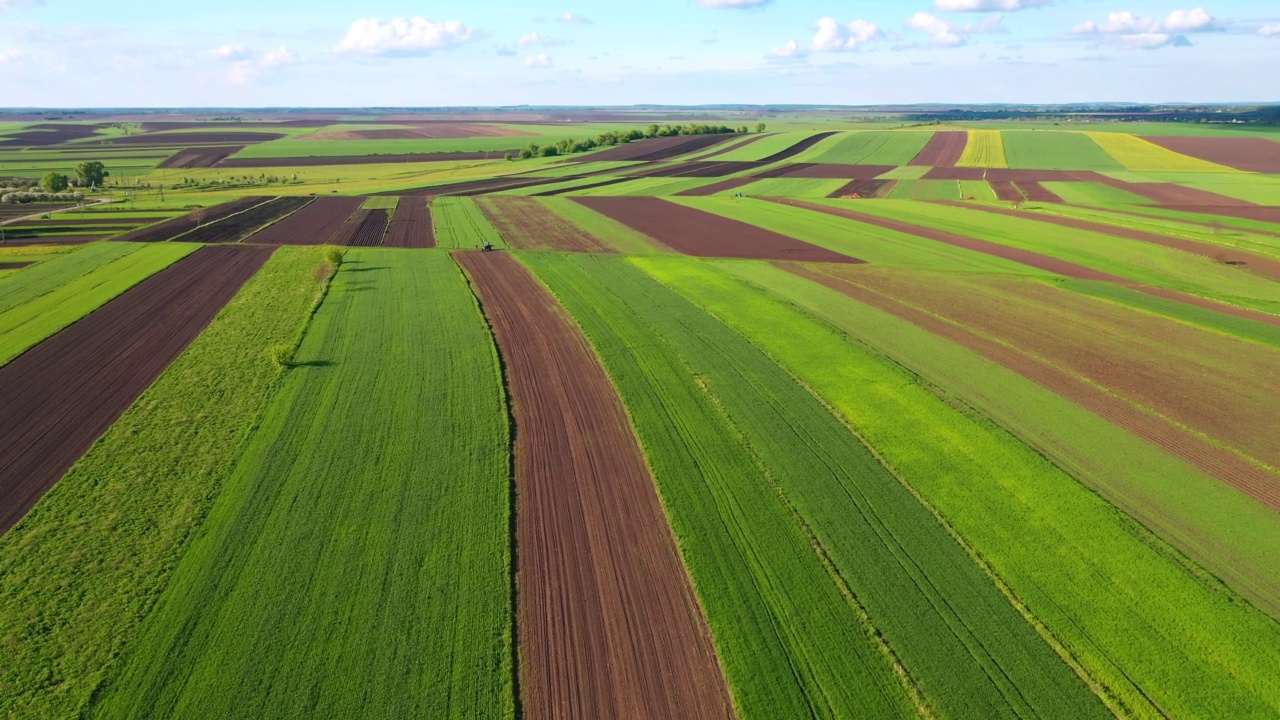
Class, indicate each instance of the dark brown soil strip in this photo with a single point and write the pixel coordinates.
(661, 148)
(59, 240)
(865, 189)
(716, 187)
(316, 161)
(411, 225)
(1025, 257)
(1264, 266)
(170, 229)
(943, 149)
(734, 146)
(1258, 212)
(200, 157)
(181, 139)
(577, 188)
(798, 148)
(93, 219)
(481, 187)
(609, 625)
(1258, 155)
(241, 225)
(14, 265)
(347, 231)
(1035, 192)
(371, 231)
(955, 173)
(1007, 191)
(1173, 195)
(702, 234)
(1211, 459)
(314, 224)
(1197, 223)
(60, 395)
(527, 224)
(699, 169)
(49, 134)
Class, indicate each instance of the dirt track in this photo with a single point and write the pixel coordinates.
(411, 225)
(1249, 154)
(943, 149)
(1223, 464)
(702, 234)
(62, 394)
(527, 224)
(314, 224)
(609, 625)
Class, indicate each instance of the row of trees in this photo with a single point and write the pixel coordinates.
(91, 174)
(622, 137)
(21, 197)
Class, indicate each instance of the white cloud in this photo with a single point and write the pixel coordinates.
(572, 18)
(15, 5)
(834, 37)
(789, 51)
(404, 37)
(9, 55)
(944, 34)
(525, 41)
(541, 60)
(232, 52)
(731, 4)
(1134, 32)
(1269, 30)
(280, 57)
(988, 5)
(1188, 21)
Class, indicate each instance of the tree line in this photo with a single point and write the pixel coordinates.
(622, 137)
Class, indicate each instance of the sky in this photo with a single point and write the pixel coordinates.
(322, 53)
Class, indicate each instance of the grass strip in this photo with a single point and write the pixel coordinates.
(459, 224)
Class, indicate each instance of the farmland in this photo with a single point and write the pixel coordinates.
(843, 416)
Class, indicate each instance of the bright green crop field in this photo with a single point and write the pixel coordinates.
(970, 465)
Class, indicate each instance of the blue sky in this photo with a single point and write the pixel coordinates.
(82, 53)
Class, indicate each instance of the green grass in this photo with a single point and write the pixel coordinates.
(791, 644)
(1130, 259)
(1152, 220)
(33, 282)
(86, 565)
(1152, 632)
(906, 172)
(977, 189)
(790, 187)
(873, 148)
(1093, 193)
(460, 224)
(1253, 188)
(926, 190)
(356, 563)
(855, 239)
(610, 231)
(29, 323)
(1049, 150)
(957, 636)
(766, 146)
(381, 203)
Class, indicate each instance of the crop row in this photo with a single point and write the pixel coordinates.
(873, 147)
(1082, 569)
(1139, 155)
(984, 150)
(459, 223)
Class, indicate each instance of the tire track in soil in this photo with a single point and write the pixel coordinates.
(609, 625)
(62, 394)
(411, 225)
(1218, 462)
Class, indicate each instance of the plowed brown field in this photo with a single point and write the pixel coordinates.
(200, 157)
(1107, 376)
(62, 394)
(170, 229)
(943, 149)
(865, 189)
(314, 224)
(797, 148)
(1036, 192)
(1258, 155)
(715, 187)
(660, 148)
(832, 171)
(527, 224)
(702, 234)
(609, 625)
(411, 225)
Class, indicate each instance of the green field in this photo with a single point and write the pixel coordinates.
(411, 481)
(873, 148)
(460, 224)
(1050, 150)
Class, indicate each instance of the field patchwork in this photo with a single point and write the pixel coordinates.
(985, 149)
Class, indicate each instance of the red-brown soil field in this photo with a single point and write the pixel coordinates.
(172, 228)
(371, 231)
(609, 625)
(660, 148)
(345, 232)
(702, 234)
(699, 169)
(865, 189)
(1032, 346)
(1173, 195)
(1036, 192)
(1258, 212)
(797, 148)
(1264, 266)
(716, 187)
(62, 394)
(730, 147)
(1258, 155)
(527, 224)
(1007, 191)
(1026, 257)
(314, 224)
(241, 225)
(833, 171)
(438, 130)
(49, 134)
(943, 149)
(411, 225)
(180, 139)
(316, 161)
(200, 157)
(588, 186)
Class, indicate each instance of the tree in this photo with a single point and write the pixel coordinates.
(759, 127)
(92, 174)
(55, 182)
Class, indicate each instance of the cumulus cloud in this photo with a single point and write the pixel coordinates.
(280, 57)
(789, 51)
(572, 18)
(232, 52)
(947, 35)
(14, 5)
(525, 41)
(731, 4)
(1269, 30)
(541, 60)
(9, 55)
(403, 37)
(834, 37)
(244, 67)
(988, 5)
(1135, 32)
